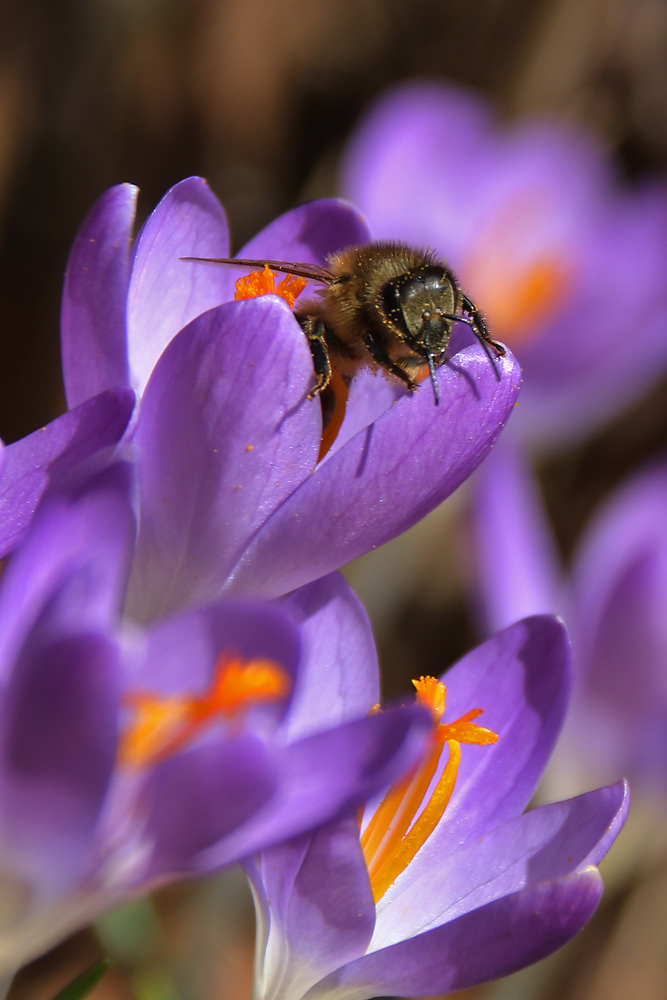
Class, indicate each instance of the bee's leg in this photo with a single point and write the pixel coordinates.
(315, 332)
(479, 324)
(379, 354)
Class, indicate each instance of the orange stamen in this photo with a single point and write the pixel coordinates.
(393, 835)
(258, 283)
(161, 726)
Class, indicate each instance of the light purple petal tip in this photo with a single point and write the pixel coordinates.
(165, 292)
(93, 317)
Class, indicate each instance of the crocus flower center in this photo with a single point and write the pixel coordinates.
(395, 832)
(162, 725)
(516, 273)
(264, 283)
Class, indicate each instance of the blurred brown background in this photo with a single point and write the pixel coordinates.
(259, 98)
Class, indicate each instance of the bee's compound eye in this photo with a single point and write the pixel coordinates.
(416, 303)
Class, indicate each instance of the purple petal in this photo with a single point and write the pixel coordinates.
(75, 558)
(327, 775)
(545, 845)
(309, 233)
(384, 479)
(504, 936)
(58, 744)
(165, 292)
(618, 598)
(517, 565)
(389, 161)
(93, 320)
(224, 435)
(197, 798)
(47, 456)
(339, 676)
(315, 892)
(521, 679)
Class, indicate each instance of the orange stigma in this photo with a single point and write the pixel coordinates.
(161, 726)
(258, 283)
(395, 832)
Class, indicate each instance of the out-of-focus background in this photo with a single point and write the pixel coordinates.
(260, 99)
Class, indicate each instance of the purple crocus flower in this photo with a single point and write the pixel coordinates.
(613, 599)
(231, 495)
(567, 265)
(131, 757)
(491, 890)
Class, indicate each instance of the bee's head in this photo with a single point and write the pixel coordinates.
(420, 305)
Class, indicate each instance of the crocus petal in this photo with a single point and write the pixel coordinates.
(392, 152)
(517, 564)
(196, 798)
(58, 744)
(93, 325)
(544, 845)
(314, 892)
(225, 434)
(521, 679)
(165, 292)
(48, 455)
(339, 675)
(75, 558)
(324, 776)
(385, 478)
(618, 585)
(504, 936)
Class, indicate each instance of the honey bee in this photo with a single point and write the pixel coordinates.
(384, 305)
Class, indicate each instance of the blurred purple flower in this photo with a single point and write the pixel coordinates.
(131, 757)
(492, 890)
(568, 266)
(225, 440)
(614, 603)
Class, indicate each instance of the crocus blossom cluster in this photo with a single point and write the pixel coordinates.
(567, 265)
(131, 757)
(186, 682)
(613, 600)
(488, 890)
